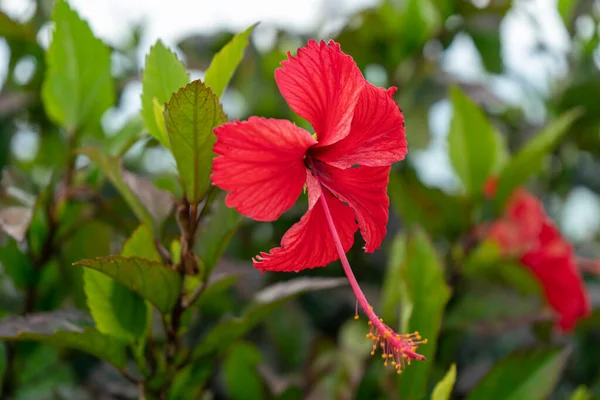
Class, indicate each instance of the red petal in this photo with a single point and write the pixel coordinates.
(553, 263)
(261, 165)
(376, 137)
(365, 190)
(322, 85)
(309, 243)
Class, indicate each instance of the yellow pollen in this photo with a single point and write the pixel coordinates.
(314, 135)
(356, 317)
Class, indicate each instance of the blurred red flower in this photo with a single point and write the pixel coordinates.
(527, 233)
(264, 164)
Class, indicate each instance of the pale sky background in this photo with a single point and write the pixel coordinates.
(111, 20)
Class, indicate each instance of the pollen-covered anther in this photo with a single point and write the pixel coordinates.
(397, 349)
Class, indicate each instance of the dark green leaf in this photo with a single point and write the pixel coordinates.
(225, 62)
(215, 235)
(72, 329)
(226, 332)
(528, 161)
(117, 310)
(190, 116)
(424, 298)
(17, 265)
(240, 372)
(163, 75)
(444, 387)
(529, 375)
(471, 142)
(111, 166)
(78, 87)
(152, 280)
(428, 207)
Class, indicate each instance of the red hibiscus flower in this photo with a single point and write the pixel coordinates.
(264, 164)
(526, 232)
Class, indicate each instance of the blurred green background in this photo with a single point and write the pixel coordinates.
(523, 62)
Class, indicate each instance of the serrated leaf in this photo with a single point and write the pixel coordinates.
(529, 375)
(163, 75)
(471, 142)
(78, 86)
(528, 161)
(226, 332)
(117, 310)
(72, 329)
(225, 62)
(424, 298)
(152, 280)
(15, 221)
(190, 116)
(444, 387)
(111, 167)
(215, 235)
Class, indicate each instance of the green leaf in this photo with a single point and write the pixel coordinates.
(471, 142)
(228, 331)
(17, 265)
(72, 329)
(111, 166)
(424, 298)
(529, 375)
(225, 62)
(581, 393)
(191, 115)
(390, 293)
(529, 160)
(240, 372)
(163, 75)
(117, 310)
(152, 280)
(444, 387)
(78, 87)
(126, 137)
(159, 203)
(566, 9)
(215, 235)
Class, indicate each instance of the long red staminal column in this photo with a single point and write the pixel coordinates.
(399, 349)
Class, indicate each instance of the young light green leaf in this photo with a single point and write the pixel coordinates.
(78, 87)
(529, 160)
(225, 62)
(424, 298)
(191, 115)
(111, 166)
(444, 387)
(581, 393)
(152, 280)
(471, 142)
(163, 75)
(72, 329)
(117, 310)
(528, 375)
(215, 235)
